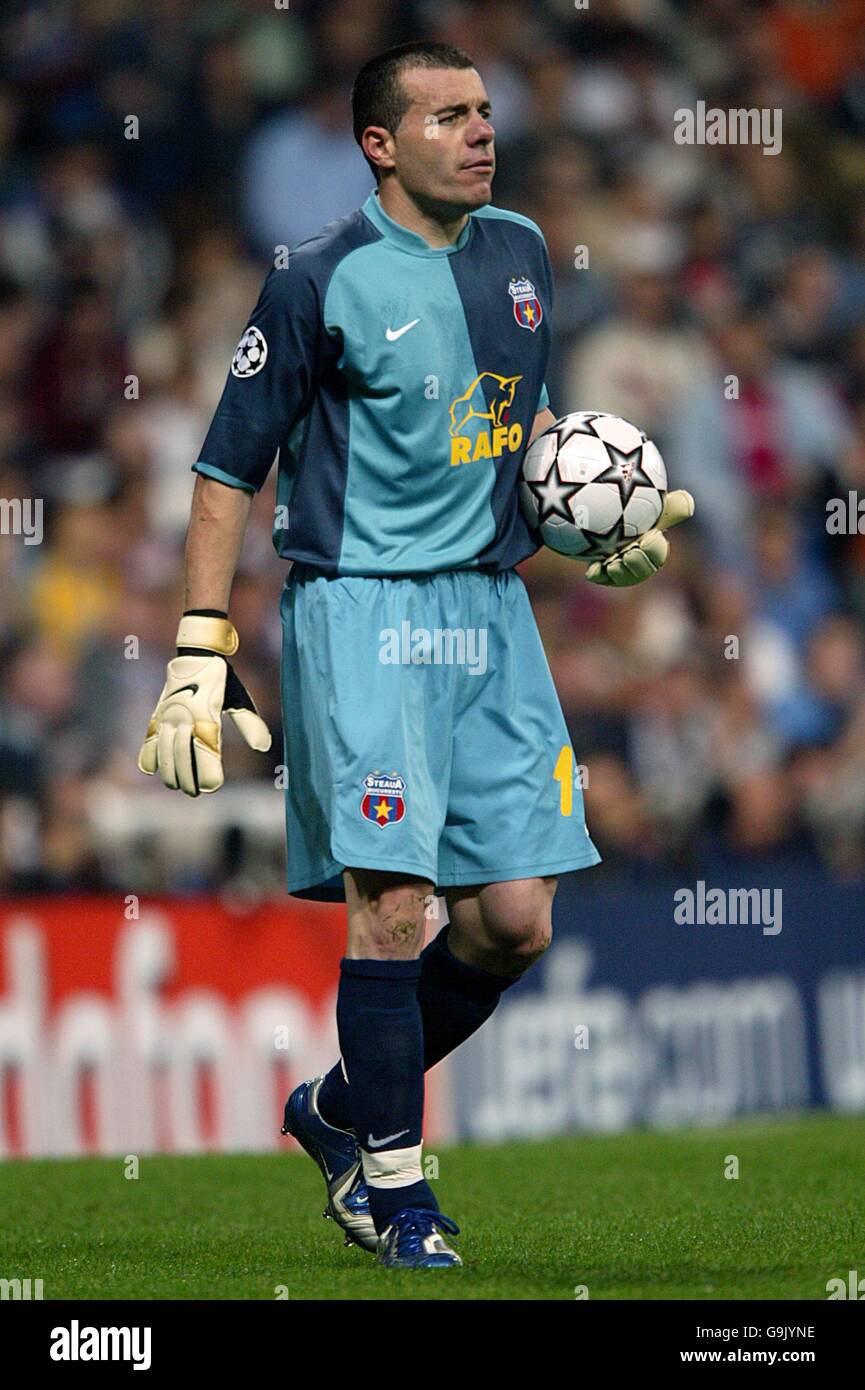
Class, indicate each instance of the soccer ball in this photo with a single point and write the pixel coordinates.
(591, 482)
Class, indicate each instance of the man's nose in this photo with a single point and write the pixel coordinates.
(480, 132)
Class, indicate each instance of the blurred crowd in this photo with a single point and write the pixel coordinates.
(151, 158)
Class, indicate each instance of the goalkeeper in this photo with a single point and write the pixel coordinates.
(397, 365)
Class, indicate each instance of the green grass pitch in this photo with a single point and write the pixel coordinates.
(645, 1215)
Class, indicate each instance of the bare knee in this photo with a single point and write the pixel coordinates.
(386, 915)
(518, 942)
(508, 928)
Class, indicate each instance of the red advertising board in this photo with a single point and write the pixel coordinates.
(136, 1026)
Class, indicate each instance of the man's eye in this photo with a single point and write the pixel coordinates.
(446, 120)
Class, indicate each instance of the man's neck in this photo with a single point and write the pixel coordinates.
(436, 231)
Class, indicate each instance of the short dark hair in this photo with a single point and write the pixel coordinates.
(378, 96)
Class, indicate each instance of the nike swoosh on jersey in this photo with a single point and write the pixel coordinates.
(180, 688)
(388, 1139)
(394, 333)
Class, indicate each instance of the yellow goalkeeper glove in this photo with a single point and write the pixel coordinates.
(640, 559)
(184, 737)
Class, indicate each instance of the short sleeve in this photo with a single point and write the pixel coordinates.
(271, 383)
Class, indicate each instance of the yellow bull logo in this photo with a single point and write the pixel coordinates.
(472, 405)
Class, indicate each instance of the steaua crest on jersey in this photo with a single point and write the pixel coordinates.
(383, 798)
(528, 310)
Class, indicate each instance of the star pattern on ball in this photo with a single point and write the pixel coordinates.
(626, 471)
(584, 425)
(602, 543)
(553, 494)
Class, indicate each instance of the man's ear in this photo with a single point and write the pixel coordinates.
(377, 145)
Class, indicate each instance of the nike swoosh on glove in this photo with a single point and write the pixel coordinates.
(640, 559)
(184, 737)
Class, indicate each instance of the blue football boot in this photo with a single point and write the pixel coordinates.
(413, 1240)
(337, 1155)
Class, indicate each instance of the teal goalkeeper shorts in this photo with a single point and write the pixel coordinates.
(423, 734)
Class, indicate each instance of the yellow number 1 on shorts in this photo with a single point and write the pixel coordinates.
(564, 774)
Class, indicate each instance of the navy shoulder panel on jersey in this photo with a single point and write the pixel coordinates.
(505, 270)
(515, 227)
(507, 215)
(280, 359)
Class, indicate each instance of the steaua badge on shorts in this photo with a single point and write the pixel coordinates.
(383, 798)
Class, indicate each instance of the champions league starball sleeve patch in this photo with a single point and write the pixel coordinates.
(250, 354)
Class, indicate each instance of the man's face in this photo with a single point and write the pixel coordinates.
(443, 150)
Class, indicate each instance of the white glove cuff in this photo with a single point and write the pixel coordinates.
(213, 634)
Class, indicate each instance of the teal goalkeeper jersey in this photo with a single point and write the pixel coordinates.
(399, 384)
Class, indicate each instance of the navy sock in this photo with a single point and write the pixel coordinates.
(454, 998)
(381, 1040)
